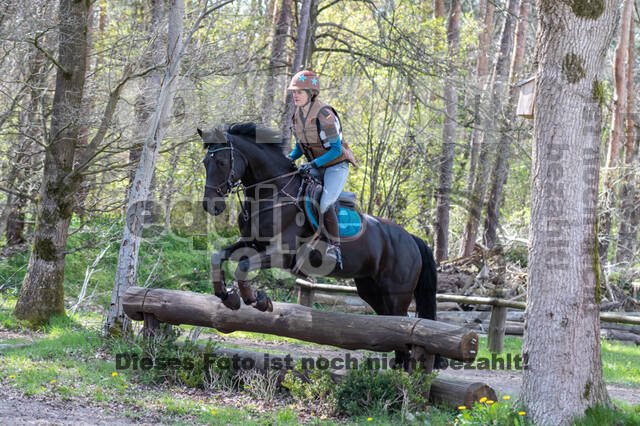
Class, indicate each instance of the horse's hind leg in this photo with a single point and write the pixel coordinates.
(371, 292)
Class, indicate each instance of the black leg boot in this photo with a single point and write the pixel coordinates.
(332, 232)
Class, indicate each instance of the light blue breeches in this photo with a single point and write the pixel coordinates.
(334, 178)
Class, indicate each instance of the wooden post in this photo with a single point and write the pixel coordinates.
(636, 287)
(497, 327)
(151, 325)
(305, 296)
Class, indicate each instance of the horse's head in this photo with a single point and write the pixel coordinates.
(224, 167)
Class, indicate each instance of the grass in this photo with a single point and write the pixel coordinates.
(620, 361)
(69, 359)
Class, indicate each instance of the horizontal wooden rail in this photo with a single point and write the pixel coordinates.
(612, 317)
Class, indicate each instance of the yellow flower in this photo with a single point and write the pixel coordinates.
(489, 401)
(483, 399)
(43, 388)
(369, 419)
(126, 386)
(462, 407)
(12, 377)
(506, 397)
(522, 413)
(313, 414)
(214, 413)
(53, 381)
(114, 374)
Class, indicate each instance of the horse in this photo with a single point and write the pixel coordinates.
(389, 265)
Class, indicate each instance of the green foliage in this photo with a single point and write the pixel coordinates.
(310, 386)
(367, 389)
(600, 415)
(517, 254)
(488, 412)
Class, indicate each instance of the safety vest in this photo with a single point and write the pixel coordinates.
(314, 131)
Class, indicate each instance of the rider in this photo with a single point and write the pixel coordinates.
(319, 137)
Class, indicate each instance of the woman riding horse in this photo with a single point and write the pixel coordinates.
(318, 135)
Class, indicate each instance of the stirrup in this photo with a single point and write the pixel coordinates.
(333, 251)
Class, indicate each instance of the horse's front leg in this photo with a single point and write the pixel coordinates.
(261, 260)
(229, 298)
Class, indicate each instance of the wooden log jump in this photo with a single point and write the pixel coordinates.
(348, 331)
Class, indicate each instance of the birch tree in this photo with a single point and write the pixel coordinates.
(563, 363)
(127, 268)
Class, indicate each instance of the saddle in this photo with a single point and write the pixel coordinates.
(349, 218)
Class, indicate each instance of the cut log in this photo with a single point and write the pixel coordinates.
(349, 331)
(455, 393)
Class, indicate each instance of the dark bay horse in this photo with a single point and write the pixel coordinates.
(389, 265)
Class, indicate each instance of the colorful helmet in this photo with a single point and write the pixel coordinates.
(305, 79)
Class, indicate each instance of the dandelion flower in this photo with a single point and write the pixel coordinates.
(483, 399)
(12, 377)
(53, 381)
(462, 407)
(126, 386)
(369, 419)
(490, 401)
(114, 374)
(522, 413)
(506, 397)
(214, 413)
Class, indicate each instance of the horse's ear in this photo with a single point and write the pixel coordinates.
(200, 132)
(218, 135)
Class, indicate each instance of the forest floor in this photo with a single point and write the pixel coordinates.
(505, 382)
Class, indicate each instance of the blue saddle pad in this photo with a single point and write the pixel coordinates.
(349, 220)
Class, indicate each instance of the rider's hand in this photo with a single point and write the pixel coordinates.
(307, 166)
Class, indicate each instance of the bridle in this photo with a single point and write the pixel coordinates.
(229, 181)
(231, 178)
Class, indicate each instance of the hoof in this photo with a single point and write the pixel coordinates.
(263, 303)
(232, 301)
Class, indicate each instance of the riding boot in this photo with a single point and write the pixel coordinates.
(332, 232)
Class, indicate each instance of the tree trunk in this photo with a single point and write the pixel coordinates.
(127, 269)
(298, 61)
(438, 8)
(617, 127)
(149, 86)
(277, 62)
(488, 141)
(42, 292)
(482, 71)
(629, 201)
(500, 167)
(562, 341)
(443, 193)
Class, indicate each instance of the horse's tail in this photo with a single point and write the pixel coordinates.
(425, 291)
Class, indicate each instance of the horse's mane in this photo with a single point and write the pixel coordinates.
(264, 137)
